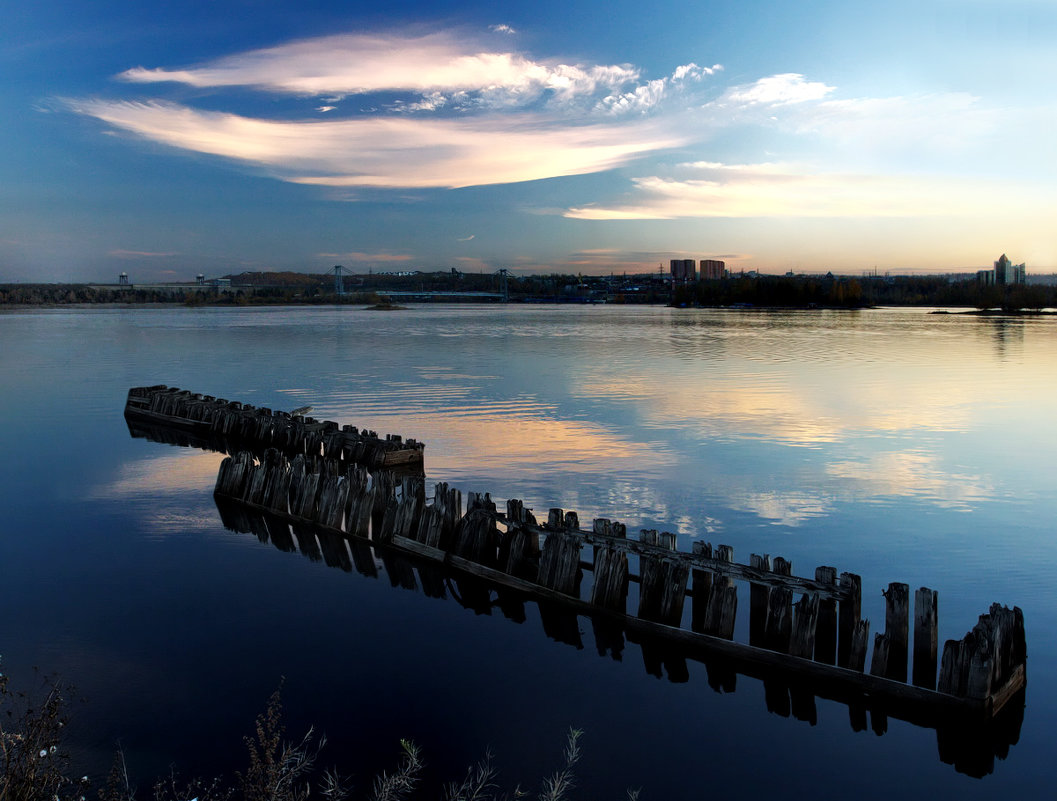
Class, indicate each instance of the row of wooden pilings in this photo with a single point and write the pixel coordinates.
(261, 427)
(824, 627)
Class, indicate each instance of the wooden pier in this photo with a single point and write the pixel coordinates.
(819, 638)
(169, 413)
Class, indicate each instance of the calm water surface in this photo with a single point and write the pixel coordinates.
(891, 443)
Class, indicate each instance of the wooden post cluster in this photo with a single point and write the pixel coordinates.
(249, 427)
(824, 626)
(983, 663)
(311, 491)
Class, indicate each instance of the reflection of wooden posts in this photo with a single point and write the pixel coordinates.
(779, 626)
(826, 628)
(890, 648)
(362, 558)
(610, 588)
(849, 613)
(759, 594)
(925, 633)
(400, 571)
(335, 554)
(663, 582)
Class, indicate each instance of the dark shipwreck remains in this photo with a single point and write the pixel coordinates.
(333, 494)
(178, 416)
(819, 638)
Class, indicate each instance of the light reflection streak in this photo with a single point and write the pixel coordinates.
(175, 472)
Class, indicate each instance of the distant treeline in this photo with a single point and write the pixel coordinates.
(64, 294)
(841, 292)
(755, 290)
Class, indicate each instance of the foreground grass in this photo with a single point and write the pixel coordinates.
(35, 767)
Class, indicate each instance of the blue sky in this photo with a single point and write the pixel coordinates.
(167, 139)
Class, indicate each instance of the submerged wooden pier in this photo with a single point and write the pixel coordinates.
(821, 637)
(165, 412)
(333, 493)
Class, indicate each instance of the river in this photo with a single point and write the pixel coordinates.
(892, 443)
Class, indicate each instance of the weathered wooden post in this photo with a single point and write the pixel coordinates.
(859, 638)
(723, 600)
(522, 543)
(925, 634)
(333, 494)
(359, 503)
(759, 594)
(897, 629)
(610, 587)
(702, 587)
(663, 582)
(988, 663)
(560, 561)
(779, 627)
(475, 537)
(805, 619)
(849, 613)
(826, 629)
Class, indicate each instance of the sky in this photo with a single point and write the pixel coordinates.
(195, 136)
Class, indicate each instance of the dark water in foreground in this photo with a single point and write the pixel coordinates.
(898, 445)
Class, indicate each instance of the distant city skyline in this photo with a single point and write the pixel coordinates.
(597, 138)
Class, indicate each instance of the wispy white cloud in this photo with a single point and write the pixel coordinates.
(393, 151)
(325, 109)
(140, 254)
(358, 256)
(789, 190)
(465, 238)
(362, 63)
(501, 29)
